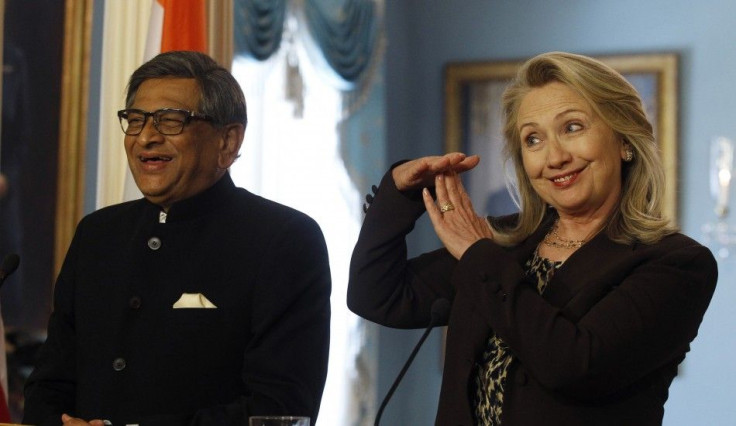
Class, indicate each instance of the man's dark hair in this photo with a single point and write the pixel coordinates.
(221, 95)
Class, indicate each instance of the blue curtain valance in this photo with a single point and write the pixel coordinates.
(259, 25)
(344, 30)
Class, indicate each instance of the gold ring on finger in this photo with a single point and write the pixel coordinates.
(446, 207)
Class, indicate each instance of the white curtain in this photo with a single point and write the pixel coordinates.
(291, 155)
(124, 41)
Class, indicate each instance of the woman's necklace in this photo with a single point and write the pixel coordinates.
(553, 239)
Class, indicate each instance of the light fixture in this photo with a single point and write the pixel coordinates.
(720, 236)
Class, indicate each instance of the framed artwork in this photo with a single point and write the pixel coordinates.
(474, 122)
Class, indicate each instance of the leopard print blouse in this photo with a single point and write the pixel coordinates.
(497, 358)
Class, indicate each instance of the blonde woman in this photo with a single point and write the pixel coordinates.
(578, 309)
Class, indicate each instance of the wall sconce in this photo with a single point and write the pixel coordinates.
(719, 235)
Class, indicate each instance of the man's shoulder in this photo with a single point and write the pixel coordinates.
(255, 207)
(262, 219)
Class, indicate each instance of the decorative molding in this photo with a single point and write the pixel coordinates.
(220, 31)
(72, 124)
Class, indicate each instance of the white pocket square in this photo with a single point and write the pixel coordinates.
(193, 300)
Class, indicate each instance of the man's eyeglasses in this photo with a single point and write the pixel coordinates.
(168, 121)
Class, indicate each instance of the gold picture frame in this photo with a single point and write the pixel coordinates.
(654, 75)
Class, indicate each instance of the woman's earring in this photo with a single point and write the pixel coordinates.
(629, 155)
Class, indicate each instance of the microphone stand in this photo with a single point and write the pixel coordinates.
(440, 310)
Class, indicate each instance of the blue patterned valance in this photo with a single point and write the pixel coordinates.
(258, 27)
(346, 31)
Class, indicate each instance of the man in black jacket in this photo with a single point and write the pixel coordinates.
(199, 304)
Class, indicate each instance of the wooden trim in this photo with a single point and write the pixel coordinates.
(220, 31)
(72, 124)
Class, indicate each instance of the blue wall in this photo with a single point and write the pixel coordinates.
(423, 35)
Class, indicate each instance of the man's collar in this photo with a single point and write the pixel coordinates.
(209, 200)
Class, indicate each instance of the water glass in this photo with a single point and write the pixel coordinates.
(279, 421)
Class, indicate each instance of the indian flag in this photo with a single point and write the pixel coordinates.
(176, 25)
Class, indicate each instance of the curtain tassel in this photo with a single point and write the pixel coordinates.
(294, 84)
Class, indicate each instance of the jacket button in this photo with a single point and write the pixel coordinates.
(118, 364)
(154, 243)
(134, 302)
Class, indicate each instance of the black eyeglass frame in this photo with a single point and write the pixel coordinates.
(189, 116)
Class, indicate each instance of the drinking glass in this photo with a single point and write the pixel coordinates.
(279, 421)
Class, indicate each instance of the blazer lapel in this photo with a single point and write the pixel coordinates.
(584, 267)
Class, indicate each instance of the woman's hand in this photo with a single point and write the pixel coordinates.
(421, 173)
(453, 217)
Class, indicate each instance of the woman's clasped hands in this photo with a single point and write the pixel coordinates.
(452, 214)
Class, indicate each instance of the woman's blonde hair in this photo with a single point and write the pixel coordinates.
(638, 216)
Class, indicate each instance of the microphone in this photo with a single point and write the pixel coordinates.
(440, 311)
(9, 265)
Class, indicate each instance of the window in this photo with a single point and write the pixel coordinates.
(296, 161)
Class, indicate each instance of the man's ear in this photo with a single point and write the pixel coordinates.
(232, 139)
